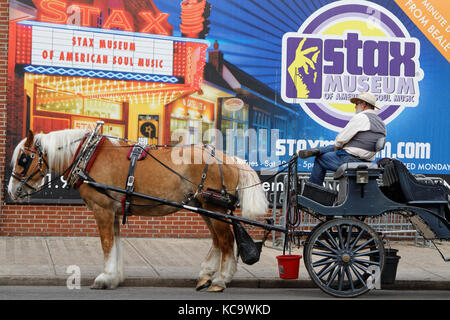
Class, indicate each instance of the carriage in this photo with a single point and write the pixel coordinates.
(343, 255)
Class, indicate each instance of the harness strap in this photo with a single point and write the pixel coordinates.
(86, 177)
(221, 198)
(224, 190)
(84, 160)
(85, 155)
(136, 153)
(205, 170)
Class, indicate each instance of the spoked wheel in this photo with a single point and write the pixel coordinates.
(343, 257)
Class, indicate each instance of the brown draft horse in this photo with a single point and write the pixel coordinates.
(37, 154)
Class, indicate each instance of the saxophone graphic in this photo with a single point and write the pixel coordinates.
(301, 61)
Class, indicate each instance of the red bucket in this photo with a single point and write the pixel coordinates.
(288, 266)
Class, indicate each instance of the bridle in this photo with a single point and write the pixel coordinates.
(25, 160)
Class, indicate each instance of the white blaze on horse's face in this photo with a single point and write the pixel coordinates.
(12, 189)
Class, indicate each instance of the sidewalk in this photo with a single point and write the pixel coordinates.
(176, 262)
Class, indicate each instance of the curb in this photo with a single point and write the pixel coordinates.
(237, 283)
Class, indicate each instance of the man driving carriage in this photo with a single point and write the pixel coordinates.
(356, 142)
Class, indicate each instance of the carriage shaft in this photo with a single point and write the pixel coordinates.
(208, 213)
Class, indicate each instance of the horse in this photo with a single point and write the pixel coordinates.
(162, 175)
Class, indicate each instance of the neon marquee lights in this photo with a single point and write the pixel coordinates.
(86, 14)
(193, 16)
(53, 11)
(119, 19)
(58, 11)
(155, 23)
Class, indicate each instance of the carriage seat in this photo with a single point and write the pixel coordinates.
(398, 178)
(350, 168)
(355, 173)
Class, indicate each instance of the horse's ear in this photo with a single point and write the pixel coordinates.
(30, 138)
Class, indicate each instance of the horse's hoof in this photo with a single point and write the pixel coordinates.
(105, 281)
(98, 286)
(202, 284)
(216, 289)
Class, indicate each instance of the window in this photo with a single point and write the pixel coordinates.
(261, 123)
(60, 102)
(279, 123)
(234, 127)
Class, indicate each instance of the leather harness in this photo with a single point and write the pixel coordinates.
(88, 150)
(84, 158)
(136, 154)
(221, 198)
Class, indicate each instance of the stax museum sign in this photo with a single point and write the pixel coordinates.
(344, 48)
(56, 47)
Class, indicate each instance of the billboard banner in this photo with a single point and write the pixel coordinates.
(258, 79)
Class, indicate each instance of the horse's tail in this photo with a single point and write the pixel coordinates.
(251, 194)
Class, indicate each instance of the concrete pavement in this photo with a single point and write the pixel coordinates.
(176, 262)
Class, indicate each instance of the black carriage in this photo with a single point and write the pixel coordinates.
(342, 253)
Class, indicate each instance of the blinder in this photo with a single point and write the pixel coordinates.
(25, 161)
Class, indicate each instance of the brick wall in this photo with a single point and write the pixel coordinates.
(75, 221)
(4, 17)
(44, 220)
(52, 220)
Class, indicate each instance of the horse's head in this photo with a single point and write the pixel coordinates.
(29, 167)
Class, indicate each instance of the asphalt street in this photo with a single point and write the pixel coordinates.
(189, 294)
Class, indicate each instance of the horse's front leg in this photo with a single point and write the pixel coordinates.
(119, 246)
(212, 260)
(228, 264)
(208, 268)
(111, 275)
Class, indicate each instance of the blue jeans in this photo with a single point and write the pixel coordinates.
(328, 159)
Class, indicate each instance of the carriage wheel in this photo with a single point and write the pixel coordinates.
(343, 257)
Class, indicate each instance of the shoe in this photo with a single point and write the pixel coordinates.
(309, 153)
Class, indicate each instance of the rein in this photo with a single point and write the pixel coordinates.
(211, 153)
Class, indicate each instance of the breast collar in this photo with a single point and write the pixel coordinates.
(84, 158)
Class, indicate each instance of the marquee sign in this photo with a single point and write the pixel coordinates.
(100, 51)
(112, 54)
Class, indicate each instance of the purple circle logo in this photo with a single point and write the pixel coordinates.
(343, 49)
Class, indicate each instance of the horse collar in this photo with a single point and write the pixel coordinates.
(83, 160)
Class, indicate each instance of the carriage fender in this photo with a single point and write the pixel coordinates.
(429, 224)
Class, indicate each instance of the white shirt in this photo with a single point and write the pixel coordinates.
(359, 122)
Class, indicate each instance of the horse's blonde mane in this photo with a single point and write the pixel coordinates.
(60, 146)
